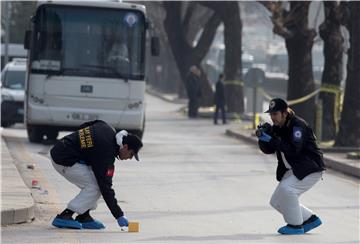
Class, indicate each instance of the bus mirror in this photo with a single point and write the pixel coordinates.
(27, 39)
(155, 46)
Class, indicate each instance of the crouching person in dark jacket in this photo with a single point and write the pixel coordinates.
(86, 158)
(300, 165)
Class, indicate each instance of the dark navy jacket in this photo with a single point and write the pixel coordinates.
(219, 94)
(298, 143)
(95, 144)
(193, 86)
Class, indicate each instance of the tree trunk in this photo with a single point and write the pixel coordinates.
(185, 55)
(349, 132)
(233, 72)
(332, 75)
(229, 13)
(299, 45)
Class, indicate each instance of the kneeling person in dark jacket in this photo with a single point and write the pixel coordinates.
(300, 165)
(86, 158)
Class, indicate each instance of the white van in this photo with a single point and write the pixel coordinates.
(12, 92)
(86, 61)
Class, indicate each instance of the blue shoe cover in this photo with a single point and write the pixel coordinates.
(288, 230)
(93, 225)
(66, 223)
(312, 225)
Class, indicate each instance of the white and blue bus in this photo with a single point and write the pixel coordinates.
(86, 61)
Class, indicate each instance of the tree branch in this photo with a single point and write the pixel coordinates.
(207, 36)
(173, 26)
(345, 14)
(188, 14)
(278, 18)
(295, 15)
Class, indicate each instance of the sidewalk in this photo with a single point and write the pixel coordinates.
(17, 204)
(334, 158)
(169, 97)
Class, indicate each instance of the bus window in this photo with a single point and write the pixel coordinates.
(72, 42)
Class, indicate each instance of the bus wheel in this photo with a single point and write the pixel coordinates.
(51, 134)
(35, 133)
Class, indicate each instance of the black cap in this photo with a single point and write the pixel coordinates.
(134, 143)
(277, 104)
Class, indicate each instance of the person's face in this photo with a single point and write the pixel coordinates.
(278, 118)
(125, 153)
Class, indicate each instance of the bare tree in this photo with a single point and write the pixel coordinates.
(349, 132)
(292, 25)
(330, 32)
(176, 24)
(229, 13)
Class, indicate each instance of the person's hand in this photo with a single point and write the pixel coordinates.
(265, 137)
(123, 222)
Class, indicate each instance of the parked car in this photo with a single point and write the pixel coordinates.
(12, 92)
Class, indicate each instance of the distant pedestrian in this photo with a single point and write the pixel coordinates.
(220, 99)
(193, 89)
(300, 165)
(86, 158)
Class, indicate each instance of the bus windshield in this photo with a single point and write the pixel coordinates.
(89, 41)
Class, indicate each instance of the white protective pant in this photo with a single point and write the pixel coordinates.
(83, 177)
(285, 198)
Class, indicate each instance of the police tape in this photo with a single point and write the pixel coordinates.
(296, 101)
(336, 90)
(327, 88)
(324, 88)
(234, 82)
(262, 91)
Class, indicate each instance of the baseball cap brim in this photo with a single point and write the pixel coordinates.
(272, 110)
(136, 156)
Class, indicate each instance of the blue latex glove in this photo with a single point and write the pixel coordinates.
(122, 221)
(265, 137)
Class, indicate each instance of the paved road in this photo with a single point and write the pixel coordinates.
(193, 185)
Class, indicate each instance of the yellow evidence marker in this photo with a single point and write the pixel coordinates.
(133, 227)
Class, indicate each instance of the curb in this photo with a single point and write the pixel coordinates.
(17, 205)
(329, 161)
(153, 92)
(343, 168)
